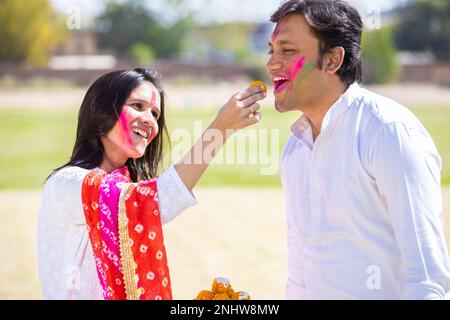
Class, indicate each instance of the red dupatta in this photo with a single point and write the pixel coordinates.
(124, 226)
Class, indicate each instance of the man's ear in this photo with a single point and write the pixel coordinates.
(335, 59)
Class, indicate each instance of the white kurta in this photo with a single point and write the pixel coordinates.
(65, 258)
(364, 205)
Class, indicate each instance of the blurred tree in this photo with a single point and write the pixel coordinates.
(29, 31)
(122, 25)
(167, 41)
(126, 26)
(425, 25)
(379, 56)
(231, 37)
(142, 53)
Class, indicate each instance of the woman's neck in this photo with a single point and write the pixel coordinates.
(109, 165)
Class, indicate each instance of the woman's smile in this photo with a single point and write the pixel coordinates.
(141, 134)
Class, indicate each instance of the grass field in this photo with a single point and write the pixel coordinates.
(34, 141)
(244, 240)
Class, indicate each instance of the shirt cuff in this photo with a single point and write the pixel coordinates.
(174, 197)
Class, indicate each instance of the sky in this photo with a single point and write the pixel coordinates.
(213, 10)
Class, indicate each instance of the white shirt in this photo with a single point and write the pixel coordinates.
(364, 205)
(65, 257)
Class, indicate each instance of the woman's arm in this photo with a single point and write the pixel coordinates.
(239, 112)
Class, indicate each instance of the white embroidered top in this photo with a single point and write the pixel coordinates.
(65, 257)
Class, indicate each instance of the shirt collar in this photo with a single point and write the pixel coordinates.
(302, 131)
(301, 128)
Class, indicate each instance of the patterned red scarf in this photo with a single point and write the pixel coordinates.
(126, 236)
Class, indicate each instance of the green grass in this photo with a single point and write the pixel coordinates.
(33, 142)
(437, 122)
(227, 168)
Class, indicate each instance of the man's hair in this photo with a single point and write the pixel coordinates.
(334, 23)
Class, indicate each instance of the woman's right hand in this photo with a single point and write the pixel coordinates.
(241, 110)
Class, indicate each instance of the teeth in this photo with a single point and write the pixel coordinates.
(140, 132)
(279, 78)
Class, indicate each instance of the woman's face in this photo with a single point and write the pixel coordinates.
(137, 125)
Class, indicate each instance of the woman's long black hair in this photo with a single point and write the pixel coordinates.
(100, 111)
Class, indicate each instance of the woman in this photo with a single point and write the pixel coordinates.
(99, 234)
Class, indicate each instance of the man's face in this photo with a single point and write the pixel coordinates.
(292, 66)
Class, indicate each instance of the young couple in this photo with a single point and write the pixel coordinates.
(360, 173)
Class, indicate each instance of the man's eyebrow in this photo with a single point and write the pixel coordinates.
(281, 42)
(285, 42)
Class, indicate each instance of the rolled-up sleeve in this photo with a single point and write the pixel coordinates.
(406, 167)
(173, 195)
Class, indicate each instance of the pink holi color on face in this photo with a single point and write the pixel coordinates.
(295, 67)
(294, 71)
(124, 126)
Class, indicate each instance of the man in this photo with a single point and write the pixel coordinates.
(360, 172)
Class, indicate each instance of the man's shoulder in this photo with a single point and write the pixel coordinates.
(379, 116)
(379, 110)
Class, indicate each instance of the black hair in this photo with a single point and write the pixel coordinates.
(100, 111)
(334, 23)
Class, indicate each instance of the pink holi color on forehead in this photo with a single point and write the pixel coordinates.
(124, 126)
(296, 66)
(275, 33)
(153, 102)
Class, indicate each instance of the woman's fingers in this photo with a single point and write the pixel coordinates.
(251, 109)
(248, 92)
(251, 100)
(253, 119)
(242, 109)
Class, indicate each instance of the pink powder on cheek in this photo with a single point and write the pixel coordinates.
(124, 126)
(295, 66)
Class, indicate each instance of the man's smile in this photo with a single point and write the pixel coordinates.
(280, 82)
